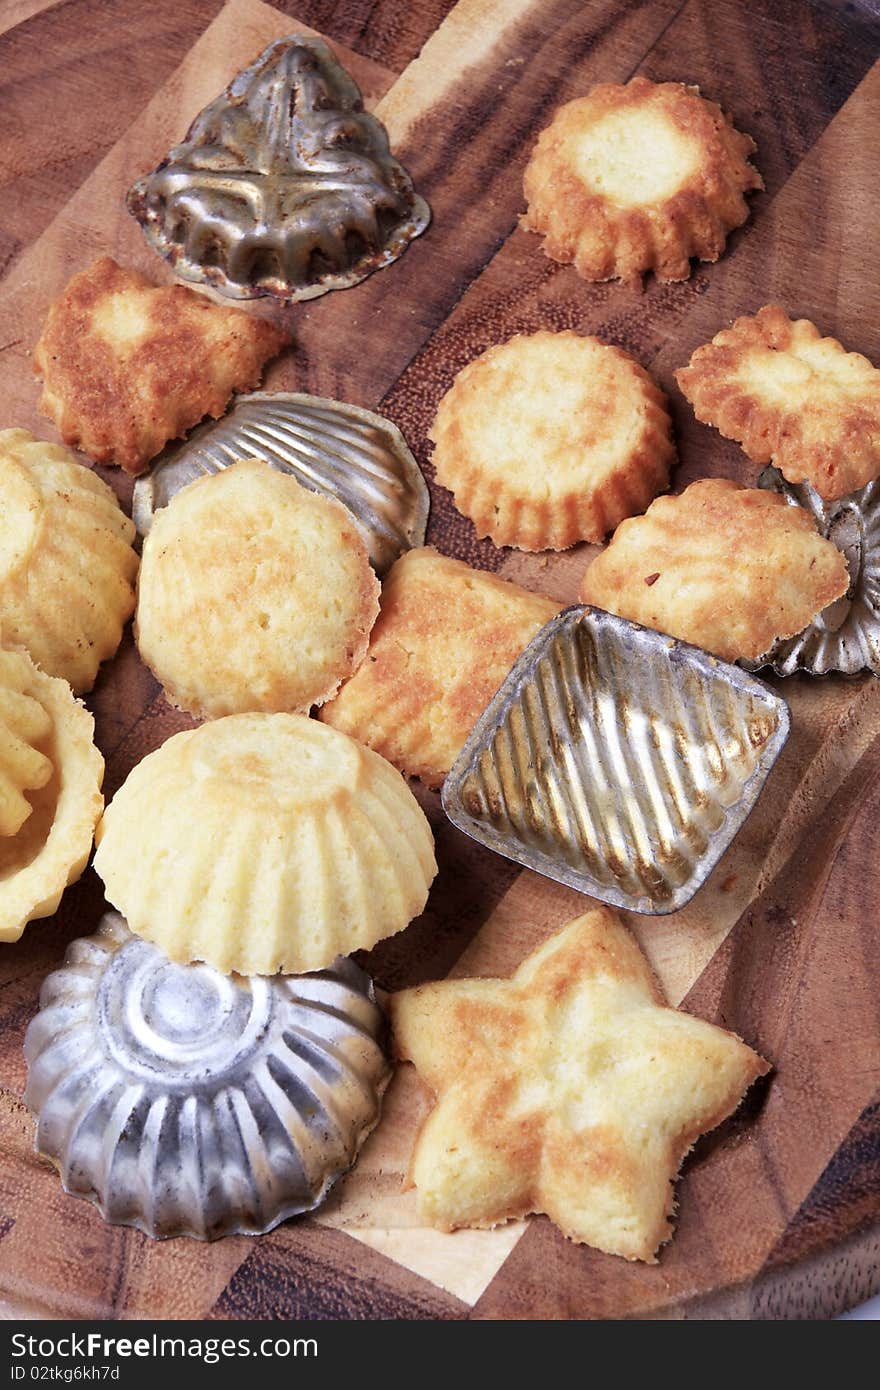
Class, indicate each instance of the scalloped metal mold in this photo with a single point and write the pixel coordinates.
(283, 185)
(617, 760)
(845, 637)
(183, 1101)
(359, 458)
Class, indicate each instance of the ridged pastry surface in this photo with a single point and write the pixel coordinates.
(550, 439)
(67, 565)
(255, 594)
(728, 568)
(446, 637)
(791, 398)
(127, 365)
(638, 177)
(24, 728)
(261, 843)
(52, 844)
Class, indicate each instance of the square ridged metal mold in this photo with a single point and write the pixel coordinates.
(617, 760)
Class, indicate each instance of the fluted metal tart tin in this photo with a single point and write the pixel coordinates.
(359, 458)
(283, 185)
(187, 1102)
(617, 760)
(846, 636)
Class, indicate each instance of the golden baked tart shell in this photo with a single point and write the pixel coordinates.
(550, 439)
(24, 728)
(728, 568)
(643, 176)
(67, 563)
(569, 1089)
(265, 842)
(792, 398)
(126, 365)
(52, 847)
(255, 594)
(446, 637)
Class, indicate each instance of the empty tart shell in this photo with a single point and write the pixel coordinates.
(550, 439)
(792, 398)
(255, 594)
(446, 637)
(638, 177)
(51, 847)
(67, 566)
(728, 568)
(265, 842)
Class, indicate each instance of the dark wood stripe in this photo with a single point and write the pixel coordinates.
(309, 1271)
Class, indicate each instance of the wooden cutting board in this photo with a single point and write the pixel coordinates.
(779, 1207)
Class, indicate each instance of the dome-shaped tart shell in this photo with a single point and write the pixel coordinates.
(265, 842)
(638, 177)
(255, 594)
(792, 398)
(728, 568)
(52, 846)
(67, 566)
(550, 439)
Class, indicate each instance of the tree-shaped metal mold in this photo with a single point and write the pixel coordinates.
(283, 185)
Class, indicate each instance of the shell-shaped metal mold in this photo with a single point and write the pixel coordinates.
(846, 636)
(283, 185)
(617, 760)
(187, 1102)
(340, 450)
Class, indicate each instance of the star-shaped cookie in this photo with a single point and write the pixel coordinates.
(569, 1089)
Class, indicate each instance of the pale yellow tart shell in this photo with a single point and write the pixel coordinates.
(67, 566)
(25, 726)
(791, 398)
(446, 637)
(550, 439)
(51, 848)
(638, 177)
(728, 568)
(265, 842)
(255, 594)
(569, 1089)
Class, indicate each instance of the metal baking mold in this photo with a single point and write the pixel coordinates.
(187, 1102)
(340, 450)
(617, 760)
(283, 185)
(845, 637)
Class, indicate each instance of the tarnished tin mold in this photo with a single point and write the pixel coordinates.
(283, 185)
(617, 760)
(846, 636)
(187, 1102)
(359, 458)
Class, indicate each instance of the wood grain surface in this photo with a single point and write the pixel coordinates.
(779, 1208)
